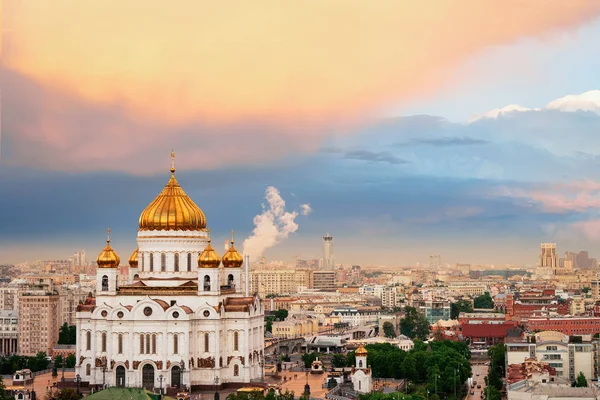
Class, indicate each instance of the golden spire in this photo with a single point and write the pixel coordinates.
(172, 209)
(172, 161)
(209, 257)
(108, 258)
(232, 258)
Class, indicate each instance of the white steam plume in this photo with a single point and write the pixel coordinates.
(305, 209)
(273, 225)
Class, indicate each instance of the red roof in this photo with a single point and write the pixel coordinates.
(487, 330)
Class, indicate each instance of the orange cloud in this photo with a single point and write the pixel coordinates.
(301, 64)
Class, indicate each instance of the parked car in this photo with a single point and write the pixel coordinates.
(478, 386)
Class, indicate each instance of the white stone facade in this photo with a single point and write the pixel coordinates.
(194, 326)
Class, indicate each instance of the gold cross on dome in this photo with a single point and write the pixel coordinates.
(172, 161)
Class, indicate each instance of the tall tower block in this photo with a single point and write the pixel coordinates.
(328, 252)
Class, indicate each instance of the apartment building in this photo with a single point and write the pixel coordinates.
(8, 332)
(39, 321)
(568, 357)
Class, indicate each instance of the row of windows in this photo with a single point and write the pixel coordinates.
(148, 343)
(163, 262)
(236, 370)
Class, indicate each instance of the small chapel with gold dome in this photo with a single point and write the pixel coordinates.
(184, 319)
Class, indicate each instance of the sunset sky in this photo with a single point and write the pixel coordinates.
(463, 128)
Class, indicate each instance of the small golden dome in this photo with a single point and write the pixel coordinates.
(108, 258)
(361, 351)
(133, 260)
(209, 257)
(232, 259)
(172, 209)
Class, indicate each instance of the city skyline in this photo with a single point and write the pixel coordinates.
(434, 163)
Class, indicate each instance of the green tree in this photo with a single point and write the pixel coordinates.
(388, 330)
(63, 394)
(414, 324)
(71, 361)
(67, 334)
(460, 306)
(281, 315)
(491, 393)
(308, 358)
(338, 360)
(408, 368)
(581, 381)
(3, 394)
(58, 361)
(484, 301)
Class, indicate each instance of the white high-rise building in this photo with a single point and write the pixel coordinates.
(181, 316)
(328, 264)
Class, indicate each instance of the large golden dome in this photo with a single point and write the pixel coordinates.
(209, 257)
(232, 259)
(172, 210)
(133, 260)
(108, 258)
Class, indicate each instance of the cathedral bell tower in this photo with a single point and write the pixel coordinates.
(107, 273)
(361, 357)
(209, 273)
(233, 261)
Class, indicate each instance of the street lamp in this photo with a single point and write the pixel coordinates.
(262, 370)
(62, 379)
(217, 388)
(182, 374)
(307, 386)
(78, 381)
(104, 374)
(161, 378)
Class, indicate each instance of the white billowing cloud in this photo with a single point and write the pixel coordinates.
(306, 209)
(273, 225)
(588, 101)
(497, 112)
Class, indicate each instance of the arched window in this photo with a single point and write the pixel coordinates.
(206, 342)
(163, 262)
(142, 260)
(151, 262)
(153, 344)
(206, 283)
(105, 283)
(359, 385)
(230, 280)
(103, 345)
(236, 340)
(189, 262)
(88, 369)
(88, 340)
(176, 262)
(120, 344)
(141, 344)
(148, 344)
(359, 363)
(175, 344)
(236, 370)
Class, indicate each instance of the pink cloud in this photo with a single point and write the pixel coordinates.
(119, 84)
(575, 196)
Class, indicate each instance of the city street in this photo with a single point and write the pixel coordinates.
(482, 371)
